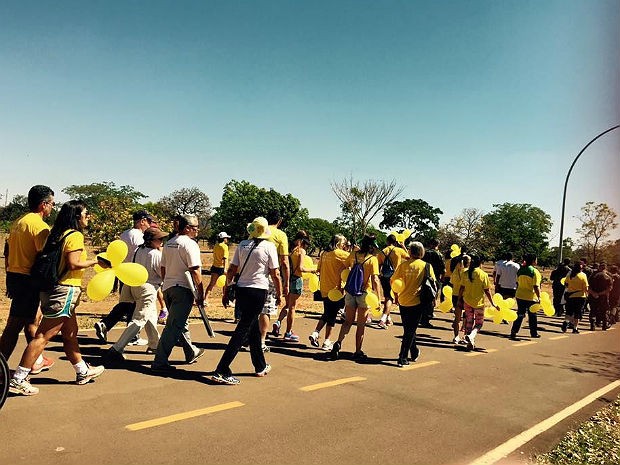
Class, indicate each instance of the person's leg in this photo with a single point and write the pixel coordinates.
(407, 317)
(521, 310)
(532, 320)
(179, 300)
(48, 328)
(145, 297)
(387, 301)
(10, 335)
(211, 285)
(362, 314)
(256, 350)
(290, 317)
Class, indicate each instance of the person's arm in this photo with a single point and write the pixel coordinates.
(74, 261)
(197, 279)
(488, 294)
(286, 274)
(277, 284)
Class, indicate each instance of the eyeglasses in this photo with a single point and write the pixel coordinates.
(193, 228)
(50, 202)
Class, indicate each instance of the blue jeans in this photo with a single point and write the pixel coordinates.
(179, 301)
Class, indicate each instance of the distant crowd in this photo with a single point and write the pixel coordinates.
(263, 281)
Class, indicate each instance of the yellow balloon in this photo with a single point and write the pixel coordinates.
(534, 308)
(376, 312)
(508, 315)
(313, 283)
(131, 274)
(334, 295)
(116, 252)
(547, 307)
(344, 274)
(406, 233)
(221, 281)
(498, 299)
(398, 285)
(447, 292)
(544, 296)
(308, 263)
(563, 281)
(454, 253)
(497, 317)
(372, 300)
(489, 312)
(400, 237)
(98, 268)
(306, 275)
(445, 306)
(100, 286)
(510, 303)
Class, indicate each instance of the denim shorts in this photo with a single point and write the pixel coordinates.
(355, 301)
(296, 284)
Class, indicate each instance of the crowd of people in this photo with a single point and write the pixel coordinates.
(262, 275)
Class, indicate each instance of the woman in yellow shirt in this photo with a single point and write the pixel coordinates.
(475, 285)
(58, 304)
(576, 293)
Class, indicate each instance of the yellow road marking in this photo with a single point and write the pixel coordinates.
(420, 365)
(528, 343)
(513, 444)
(336, 382)
(555, 338)
(182, 416)
(475, 354)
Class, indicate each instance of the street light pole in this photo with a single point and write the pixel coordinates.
(566, 185)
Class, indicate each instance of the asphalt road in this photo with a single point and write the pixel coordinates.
(450, 407)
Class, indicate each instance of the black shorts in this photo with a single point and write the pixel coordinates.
(216, 270)
(507, 293)
(574, 307)
(330, 311)
(387, 288)
(24, 296)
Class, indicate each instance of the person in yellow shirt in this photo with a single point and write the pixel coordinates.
(331, 265)
(475, 284)
(412, 273)
(356, 308)
(220, 258)
(395, 253)
(59, 303)
(576, 284)
(456, 279)
(280, 239)
(528, 293)
(27, 237)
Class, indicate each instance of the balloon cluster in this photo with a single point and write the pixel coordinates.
(454, 250)
(545, 304)
(446, 305)
(402, 236)
(505, 311)
(131, 274)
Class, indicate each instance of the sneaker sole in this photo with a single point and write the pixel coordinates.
(314, 342)
(19, 392)
(88, 379)
(42, 369)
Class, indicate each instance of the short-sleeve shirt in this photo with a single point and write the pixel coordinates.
(371, 266)
(179, 255)
(331, 264)
(577, 286)
(26, 238)
(601, 281)
(473, 290)
(260, 260)
(397, 255)
(151, 260)
(507, 275)
(133, 238)
(280, 239)
(296, 257)
(457, 279)
(220, 253)
(411, 273)
(72, 243)
(528, 277)
(433, 257)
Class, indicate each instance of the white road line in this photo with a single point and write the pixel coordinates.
(513, 444)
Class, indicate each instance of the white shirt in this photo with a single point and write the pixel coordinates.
(133, 238)
(180, 254)
(508, 275)
(264, 257)
(151, 260)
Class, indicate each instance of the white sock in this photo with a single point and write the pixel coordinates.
(326, 341)
(39, 360)
(315, 334)
(21, 374)
(473, 333)
(383, 318)
(81, 367)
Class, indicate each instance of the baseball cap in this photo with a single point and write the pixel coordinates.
(223, 235)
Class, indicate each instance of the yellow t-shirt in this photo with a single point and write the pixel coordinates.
(371, 266)
(72, 243)
(448, 273)
(280, 239)
(527, 278)
(27, 237)
(473, 291)
(577, 286)
(220, 253)
(396, 254)
(457, 278)
(296, 257)
(411, 273)
(330, 267)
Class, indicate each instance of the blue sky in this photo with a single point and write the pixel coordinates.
(466, 104)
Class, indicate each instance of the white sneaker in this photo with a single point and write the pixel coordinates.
(327, 345)
(314, 339)
(138, 342)
(91, 373)
(457, 340)
(22, 388)
(470, 342)
(267, 369)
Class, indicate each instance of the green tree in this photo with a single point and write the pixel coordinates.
(466, 228)
(597, 222)
(518, 228)
(321, 232)
(189, 201)
(416, 215)
(17, 207)
(111, 208)
(242, 202)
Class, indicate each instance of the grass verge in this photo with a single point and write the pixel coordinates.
(595, 442)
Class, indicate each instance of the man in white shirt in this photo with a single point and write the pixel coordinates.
(181, 271)
(133, 237)
(506, 277)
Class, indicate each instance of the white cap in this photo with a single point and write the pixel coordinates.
(223, 235)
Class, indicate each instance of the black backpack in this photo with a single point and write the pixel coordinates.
(45, 271)
(428, 290)
(387, 269)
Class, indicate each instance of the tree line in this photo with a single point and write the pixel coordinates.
(509, 227)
